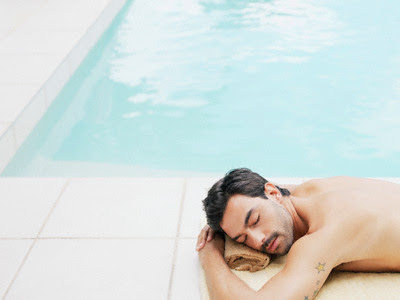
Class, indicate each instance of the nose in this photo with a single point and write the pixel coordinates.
(257, 238)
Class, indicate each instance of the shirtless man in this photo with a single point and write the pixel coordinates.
(339, 223)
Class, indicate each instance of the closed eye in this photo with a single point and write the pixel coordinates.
(258, 219)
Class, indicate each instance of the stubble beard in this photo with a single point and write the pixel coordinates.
(287, 225)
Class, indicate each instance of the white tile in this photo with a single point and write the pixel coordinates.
(117, 207)
(13, 99)
(7, 148)
(25, 203)
(56, 82)
(95, 269)
(29, 117)
(185, 282)
(3, 34)
(77, 4)
(196, 191)
(14, 13)
(3, 127)
(54, 19)
(40, 42)
(12, 253)
(27, 69)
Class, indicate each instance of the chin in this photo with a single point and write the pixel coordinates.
(284, 250)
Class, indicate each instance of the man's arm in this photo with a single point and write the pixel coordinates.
(221, 282)
(307, 267)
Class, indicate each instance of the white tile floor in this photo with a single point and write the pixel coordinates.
(185, 284)
(3, 126)
(114, 238)
(117, 208)
(95, 269)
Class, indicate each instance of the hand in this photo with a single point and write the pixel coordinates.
(213, 249)
(206, 235)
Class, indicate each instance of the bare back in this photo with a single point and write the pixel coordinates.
(361, 220)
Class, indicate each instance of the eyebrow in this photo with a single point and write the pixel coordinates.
(246, 223)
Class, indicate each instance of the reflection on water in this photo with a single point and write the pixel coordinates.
(286, 87)
(192, 46)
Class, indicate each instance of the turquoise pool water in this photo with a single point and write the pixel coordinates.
(287, 88)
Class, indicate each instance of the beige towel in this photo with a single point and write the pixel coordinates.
(340, 285)
(243, 258)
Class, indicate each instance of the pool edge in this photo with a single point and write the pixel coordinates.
(16, 133)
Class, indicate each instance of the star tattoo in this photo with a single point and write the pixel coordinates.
(320, 267)
(315, 293)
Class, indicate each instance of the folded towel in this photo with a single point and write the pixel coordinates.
(243, 258)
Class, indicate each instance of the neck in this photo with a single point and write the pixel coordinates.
(295, 206)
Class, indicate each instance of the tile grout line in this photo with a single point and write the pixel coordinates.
(36, 238)
(171, 276)
(53, 208)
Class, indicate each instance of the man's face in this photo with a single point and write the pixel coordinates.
(262, 224)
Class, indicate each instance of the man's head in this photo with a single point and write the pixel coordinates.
(248, 208)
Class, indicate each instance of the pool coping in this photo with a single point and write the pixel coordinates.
(19, 129)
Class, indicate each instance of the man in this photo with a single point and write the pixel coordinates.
(339, 223)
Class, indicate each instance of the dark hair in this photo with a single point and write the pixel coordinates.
(238, 181)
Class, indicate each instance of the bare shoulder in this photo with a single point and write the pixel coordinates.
(343, 180)
(328, 180)
(321, 185)
(312, 185)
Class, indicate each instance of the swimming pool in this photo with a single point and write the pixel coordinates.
(287, 88)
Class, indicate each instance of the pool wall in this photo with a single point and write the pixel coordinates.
(28, 88)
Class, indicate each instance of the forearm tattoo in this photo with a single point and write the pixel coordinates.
(320, 268)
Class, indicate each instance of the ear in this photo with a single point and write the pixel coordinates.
(271, 190)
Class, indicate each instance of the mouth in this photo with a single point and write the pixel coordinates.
(273, 244)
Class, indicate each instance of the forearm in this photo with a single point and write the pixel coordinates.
(221, 282)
